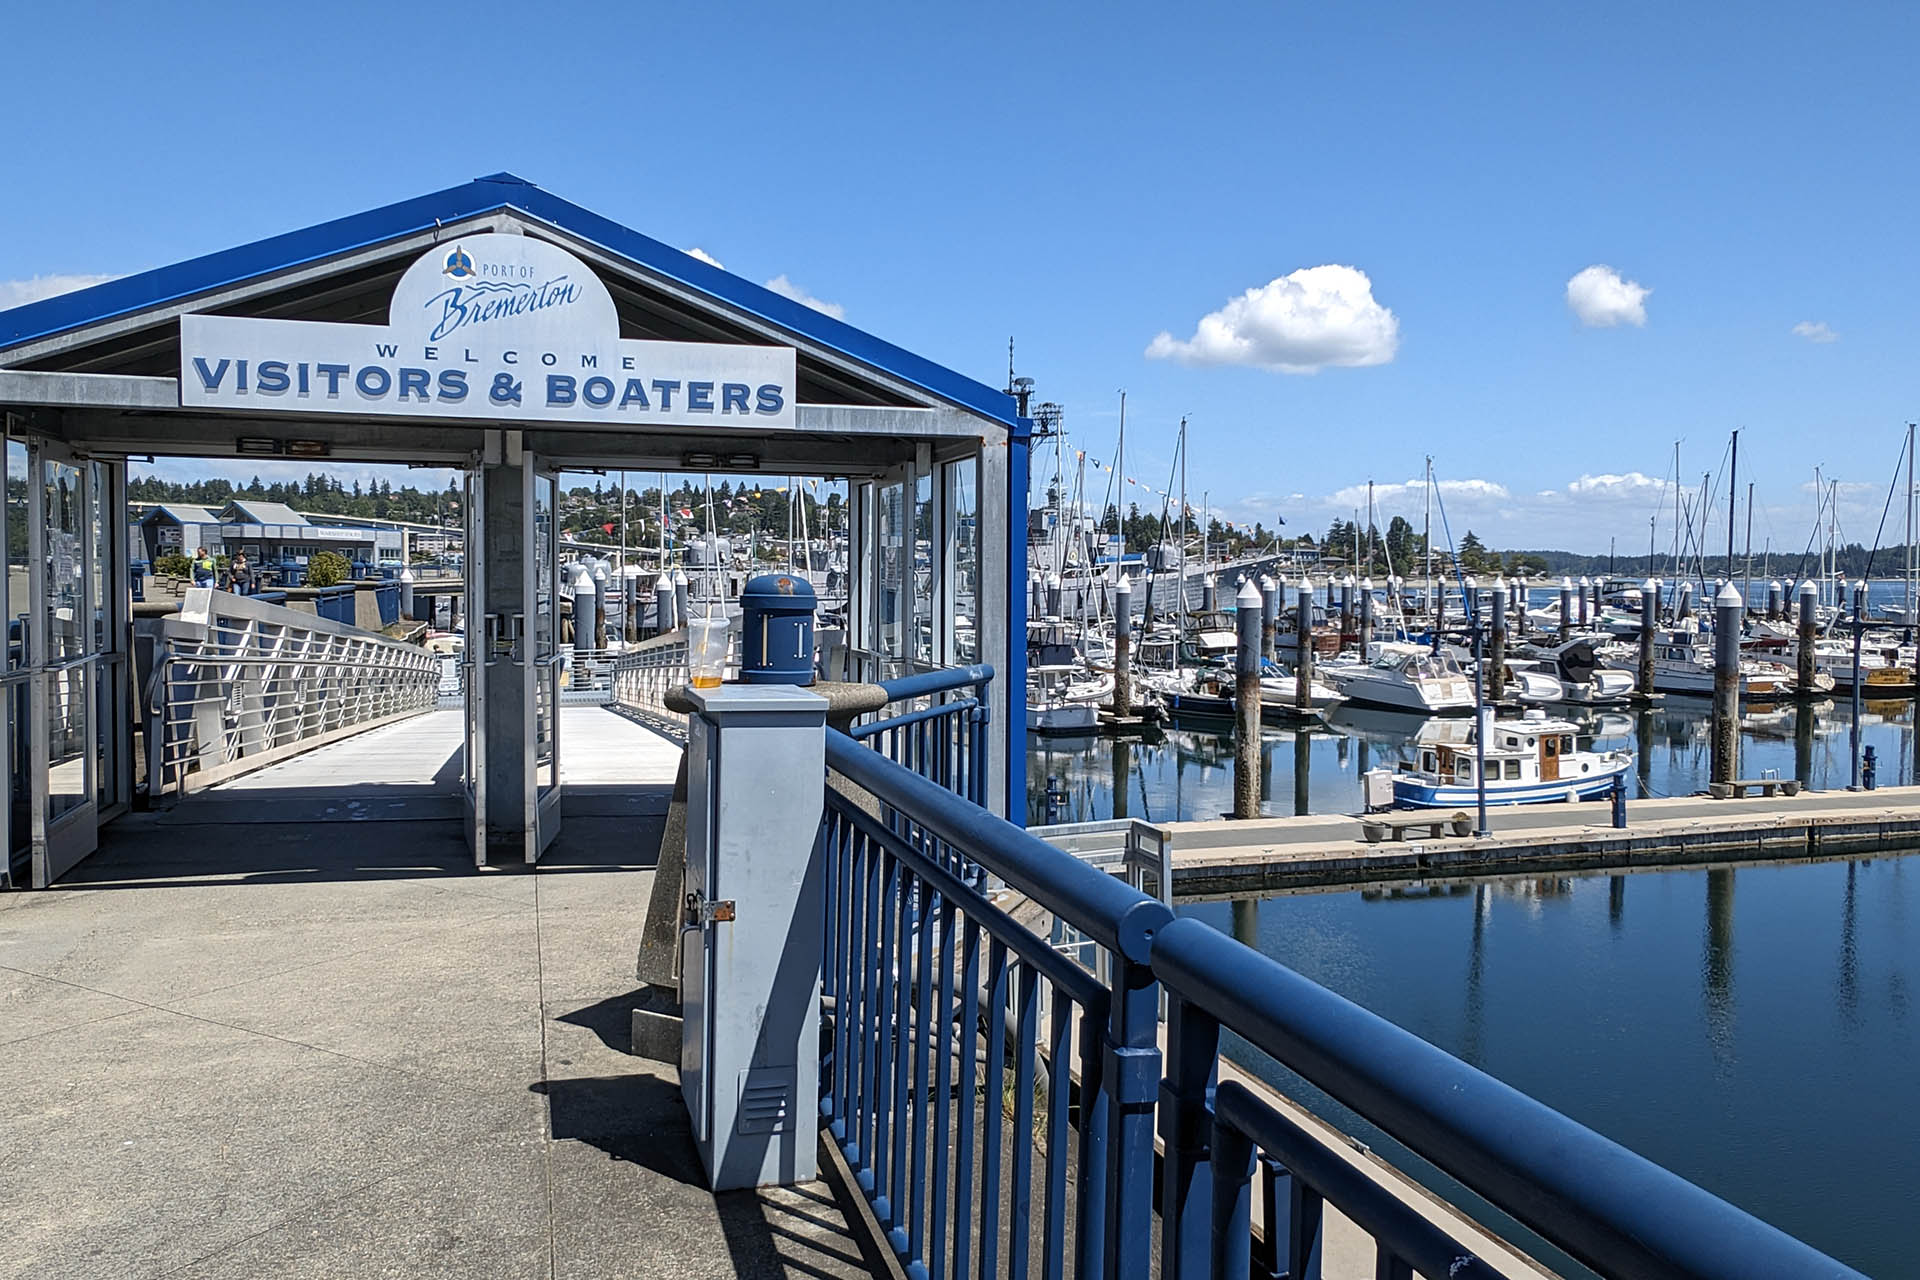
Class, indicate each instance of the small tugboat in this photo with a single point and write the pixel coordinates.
(1532, 760)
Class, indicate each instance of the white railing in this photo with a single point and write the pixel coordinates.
(237, 683)
(642, 676)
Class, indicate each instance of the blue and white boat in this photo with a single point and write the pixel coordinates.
(1532, 760)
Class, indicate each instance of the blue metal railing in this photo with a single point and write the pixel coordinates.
(944, 737)
(939, 995)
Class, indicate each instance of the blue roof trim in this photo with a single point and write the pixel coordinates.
(487, 195)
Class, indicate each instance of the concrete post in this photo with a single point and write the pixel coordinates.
(1727, 611)
(1566, 608)
(1346, 610)
(1246, 704)
(1209, 594)
(663, 603)
(750, 1043)
(1037, 588)
(1123, 647)
(1054, 592)
(1439, 607)
(1649, 627)
(1497, 657)
(602, 595)
(1773, 601)
(681, 614)
(1269, 616)
(1682, 602)
(1303, 655)
(1366, 615)
(406, 591)
(1809, 633)
(586, 600)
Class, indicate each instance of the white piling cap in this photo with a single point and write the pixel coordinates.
(1566, 584)
(1124, 587)
(583, 584)
(1728, 598)
(679, 576)
(1473, 583)
(1249, 597)
(1809, 588)
(1053, 579)
(1499, 583)
(1585, 581)
(1650, 585)
(1266, 583)
(1347, 581)
(1366, 584)
(1306, 583)
(1774, 585)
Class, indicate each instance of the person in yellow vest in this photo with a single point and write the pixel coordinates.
(203, 568)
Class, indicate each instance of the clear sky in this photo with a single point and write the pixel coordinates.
(1364, 230)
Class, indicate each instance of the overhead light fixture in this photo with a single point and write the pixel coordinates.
(308, 449)
(743, 461)
(701, 461)
(257, 445)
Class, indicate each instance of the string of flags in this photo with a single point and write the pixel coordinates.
(1080, 455)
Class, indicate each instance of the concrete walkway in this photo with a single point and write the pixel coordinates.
(242, 1042)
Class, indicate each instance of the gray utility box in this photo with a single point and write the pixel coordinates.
(751, 942)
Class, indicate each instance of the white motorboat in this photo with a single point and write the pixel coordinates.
(1683, 663)
(1279, 696)
(1405, 678)
(1532, 760)
(1066, 698)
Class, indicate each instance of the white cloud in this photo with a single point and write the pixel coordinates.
(1815, 331)
(1401, 492)
(788, 289)
(1612, 486)
(1298, 323)
(704, 256)
(18, 293)
(1602, 298)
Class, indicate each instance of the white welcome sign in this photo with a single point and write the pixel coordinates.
(487, 326)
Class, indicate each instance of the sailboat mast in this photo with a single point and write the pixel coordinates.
(1426, 535)
(1733, 479)
(1747, 592)
(1180, 606)
(1909, 607)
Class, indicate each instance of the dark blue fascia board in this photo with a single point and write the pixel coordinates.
(487, 195)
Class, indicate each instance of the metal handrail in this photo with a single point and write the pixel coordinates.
(237, 683)
(1611, 1209)
(1118, 918)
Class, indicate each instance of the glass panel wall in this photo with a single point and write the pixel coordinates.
(963, 550)
(925, 561)
(66, 630)
(16, 597)
(893, 569)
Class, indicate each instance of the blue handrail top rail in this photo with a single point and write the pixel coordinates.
(924, 683)
(1099, 906)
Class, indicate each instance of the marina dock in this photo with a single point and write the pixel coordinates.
(1225, 858)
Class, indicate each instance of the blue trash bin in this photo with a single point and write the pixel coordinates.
(776, 636)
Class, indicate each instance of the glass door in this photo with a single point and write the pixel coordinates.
(64, 663)
(542, 597)
(16, 676)
(476, 654)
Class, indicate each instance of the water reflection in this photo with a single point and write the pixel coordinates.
(1186, 771)
(1739, 1022)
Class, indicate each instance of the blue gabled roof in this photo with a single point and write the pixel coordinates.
(481, 196)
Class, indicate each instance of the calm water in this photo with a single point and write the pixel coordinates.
(1753, 1029)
